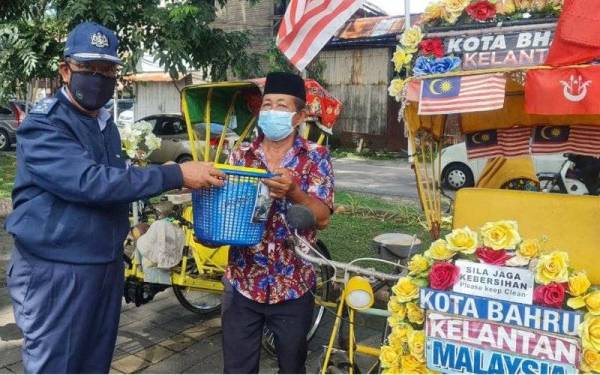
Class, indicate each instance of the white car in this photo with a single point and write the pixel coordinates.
(458, 171)
(126, 117)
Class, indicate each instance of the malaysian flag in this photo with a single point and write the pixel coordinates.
(502, 142)
(309, 24)
(476, 93)
(575, 139)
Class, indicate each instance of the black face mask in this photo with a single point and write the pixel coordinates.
(91, 90)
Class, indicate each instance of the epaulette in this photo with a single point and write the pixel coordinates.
(44, 106)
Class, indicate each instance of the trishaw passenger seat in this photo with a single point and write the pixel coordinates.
(571, 223)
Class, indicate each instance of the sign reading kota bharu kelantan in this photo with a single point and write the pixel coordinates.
(501, 49)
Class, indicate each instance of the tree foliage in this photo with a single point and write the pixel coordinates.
(179, 34)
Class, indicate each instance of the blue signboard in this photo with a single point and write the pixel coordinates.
(529, 316)
(448, 357)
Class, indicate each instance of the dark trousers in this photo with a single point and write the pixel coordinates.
(68, 313)
(243, 322)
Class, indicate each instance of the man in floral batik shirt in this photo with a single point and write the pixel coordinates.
(268, 284)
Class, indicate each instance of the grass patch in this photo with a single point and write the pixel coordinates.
(8, 170)
(350, 233)
(365, 154)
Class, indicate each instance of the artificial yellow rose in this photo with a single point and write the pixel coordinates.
(392, 370)
(439, 251)
(501, 235)
(416, 344)
(450, 17)
(529, 248)
(396, 308)
(411, 38)
(592, 301)
(414, 313)
(412, 365)
(401, 331)
(462, 240)
(455, 6)
(397, 342)
(406, 289)
(396, 87)
(590, 361)
(505, 7)
(589, 331)
(552, 267)
(576, 302)
(401, 58)
(578, 284)
(389, 357)
(432, 12)
(394, 320)
(418, 264)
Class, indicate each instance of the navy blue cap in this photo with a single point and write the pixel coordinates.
(90, 41)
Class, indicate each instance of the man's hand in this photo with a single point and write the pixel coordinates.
(281, 185)
(200, 174)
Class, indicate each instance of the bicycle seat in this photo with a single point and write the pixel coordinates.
(394, 246)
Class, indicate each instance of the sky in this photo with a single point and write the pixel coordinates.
(394, 7)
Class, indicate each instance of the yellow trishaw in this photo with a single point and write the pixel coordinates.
(471, 80)
(216, 110)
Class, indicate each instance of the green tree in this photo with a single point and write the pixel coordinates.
(179, 34)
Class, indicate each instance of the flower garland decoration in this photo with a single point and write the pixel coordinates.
(451, 12)
(138, 141)
(499, 243)
(419, 56)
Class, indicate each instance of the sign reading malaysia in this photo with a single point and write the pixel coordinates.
(504, 338)
(449, 357)
(500, 49)
(529, 316)
(485, 280)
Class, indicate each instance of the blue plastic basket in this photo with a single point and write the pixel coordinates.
(223, 215)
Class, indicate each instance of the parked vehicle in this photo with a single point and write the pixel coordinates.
(458, 171)
(579, 175)
(11, 116)
(125, 117)
(175, 145)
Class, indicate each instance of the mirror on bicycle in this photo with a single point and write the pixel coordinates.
(300, 217)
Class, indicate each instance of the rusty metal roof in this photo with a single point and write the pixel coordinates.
(371, 27)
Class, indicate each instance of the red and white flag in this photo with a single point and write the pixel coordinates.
(483, 92)
(509, 142)
(576, 139)
(563, 91)
(309, 24)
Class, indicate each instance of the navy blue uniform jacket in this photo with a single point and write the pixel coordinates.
(72, 189)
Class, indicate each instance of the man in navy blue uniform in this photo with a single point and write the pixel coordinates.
(70, 213)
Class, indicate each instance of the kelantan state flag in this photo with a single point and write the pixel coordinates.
(563, 91)
(577, 34)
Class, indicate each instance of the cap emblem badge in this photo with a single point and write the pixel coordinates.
(99, 40)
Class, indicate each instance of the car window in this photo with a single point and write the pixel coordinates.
(179, 127)
(168, 126)
(5, 111)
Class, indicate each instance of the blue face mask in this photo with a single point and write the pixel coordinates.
(276, 125)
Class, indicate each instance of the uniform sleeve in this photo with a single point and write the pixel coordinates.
(321, 178)
(59, 164)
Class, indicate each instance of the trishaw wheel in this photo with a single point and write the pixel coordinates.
(324, 292)
(198, 301)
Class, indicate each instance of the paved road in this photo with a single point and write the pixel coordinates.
(386, 178)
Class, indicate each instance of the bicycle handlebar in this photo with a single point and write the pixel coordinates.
(341, 265)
